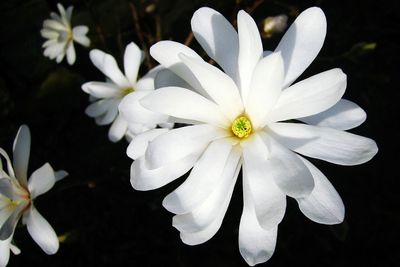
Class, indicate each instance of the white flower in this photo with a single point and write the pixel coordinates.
(61, 36)
(243, 118)
(17, 194)
(106, 96)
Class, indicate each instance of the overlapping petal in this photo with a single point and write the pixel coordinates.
(41, 180)
(132, 59)
(21, 151)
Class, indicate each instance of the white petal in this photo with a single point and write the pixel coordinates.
(132, 60)
(51, 24)
(165, 78)
(79, 35)
(21, 151)
(5, 251)
(133, 112)
(250, 51)
(185, 104)
(98, 108)
(269, 200)
(167, 54)
(218, 38)
(41, 231)
(203, 179)
(344, 115)
(54, 50)
(138, 128)
(139, 143)
(7, 228)
(209, 210)
(63, 14)
(118, 129)
(107, 64)
(302, 42)
(310, 96)
(256, 245)
(331, 145)
(324, 205)
(6, 190)
(68, 12)
(102, 89)
(265, 89)
(59, 175)
(147, 81)
(219, 86)
(71, 55)
(41, 180)
(49, 34)
(178, 143)
(110, 115)
(9, 165)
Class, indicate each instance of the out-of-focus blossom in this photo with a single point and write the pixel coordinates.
(17, 194)
(61, 36)
(272, 25)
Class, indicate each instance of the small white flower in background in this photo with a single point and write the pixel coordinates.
(61, 36)
(243, 117)
(17, 194)
(106, 96)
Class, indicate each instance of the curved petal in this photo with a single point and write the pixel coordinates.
(132, 60)
(110, 115)
(5, 251)
(108, 66)
(269, 200)
(41, 180)
(59, 175)
(219, 86)
(310, 96)
(250, 51)
(202, 216)
(266, 86)
(41, 231)
(191, 106)
(324, 204)
(118, 129)
(8, 162)
(8, 226)
(79, 35)
(147, 82)
(133, 112)
(98, 108)
(71, 55)
(6, 190)
(331, 145)
(165, 78)
(302, 42)
(178, 143)
(218, 38)
(21, 151)
(167, 54)
(203, 179)
(344, 115)
(102, 89)
(139, 143)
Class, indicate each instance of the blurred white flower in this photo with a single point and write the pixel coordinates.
(106, 96)
(61, 36)
(17, 194)
(242, 117)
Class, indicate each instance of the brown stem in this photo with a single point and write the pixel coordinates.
(189, 39)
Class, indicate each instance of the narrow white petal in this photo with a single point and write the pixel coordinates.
(139, 143)
(185, 104)
(133, 112)
(8, 162)
(118, 129)
(324, 204)
(5, 251)
(21, 151)
(331, 145)
(178, 143)
(209, 210)
(310, 96)
(71, 55)
(147, 82)
(59, 175)
(8, 226)
(68, 12)
(102, 89)
(41, 231)
(51, 24)
(167, 54)
(110, 115)
(265, 88)
(41, 180)
(218, 38)
(79, 35)
(269, 200)
(219, 86)
(250, 51)
(205, 176)
(49, 34)
(54, 50)
(344, 115)
(138, 128)
(6, 190)
(107, 64)
(132, 60)
(63, 14)
(302, 42)
(98, 108)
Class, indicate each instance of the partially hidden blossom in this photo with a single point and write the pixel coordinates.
(17, 194)
(61, 36)
(106, 96)
(251, 116)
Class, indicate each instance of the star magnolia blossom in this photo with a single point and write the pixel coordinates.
(16, 198)
(106, 96)
(61, 36)
(243, 118)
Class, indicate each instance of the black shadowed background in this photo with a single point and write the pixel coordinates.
(102, 221)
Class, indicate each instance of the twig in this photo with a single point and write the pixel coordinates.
(98, 28)
(189, 39)
(253, 7)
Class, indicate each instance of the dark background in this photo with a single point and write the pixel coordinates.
(106, 223)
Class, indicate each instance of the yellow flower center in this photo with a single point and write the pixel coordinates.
(127, 91)
(241, 127)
